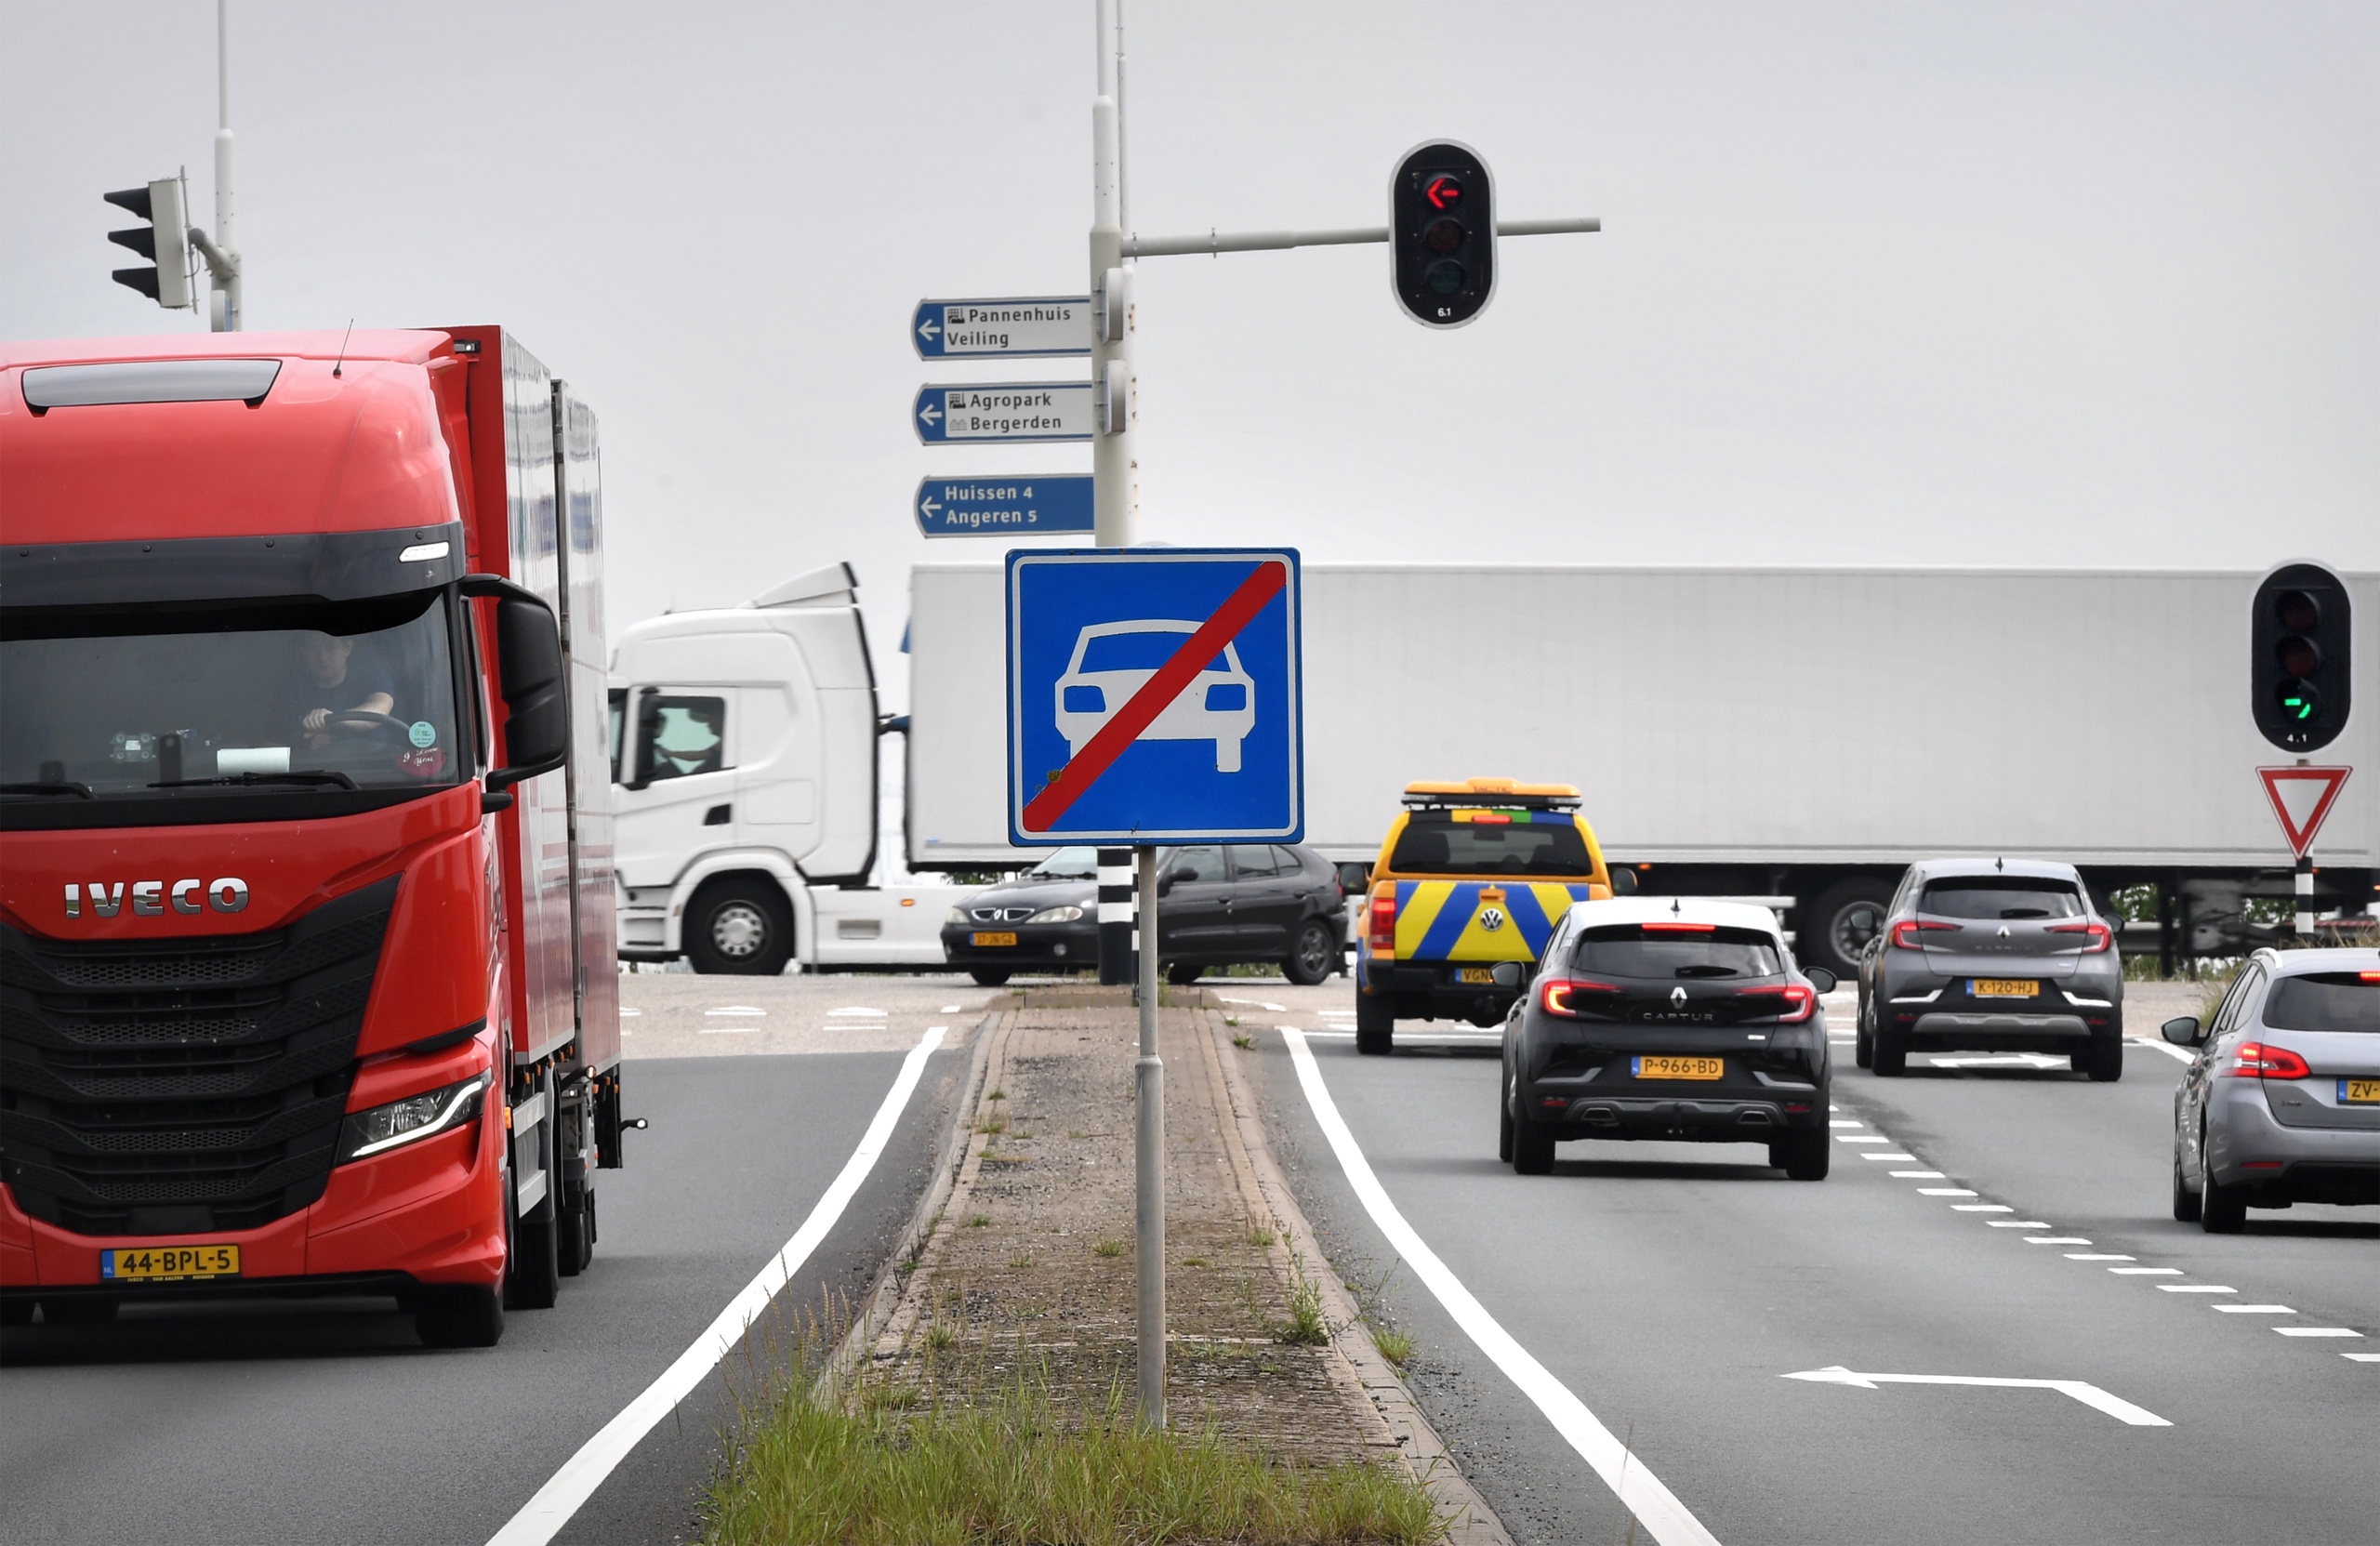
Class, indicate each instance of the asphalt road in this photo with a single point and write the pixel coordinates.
(315, 1421)
(1672, 1287)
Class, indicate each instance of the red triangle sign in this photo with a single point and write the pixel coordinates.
(2301, 797)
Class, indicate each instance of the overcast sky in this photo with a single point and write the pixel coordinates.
(2065, 284)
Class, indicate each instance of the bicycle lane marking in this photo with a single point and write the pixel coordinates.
(1639, 1490)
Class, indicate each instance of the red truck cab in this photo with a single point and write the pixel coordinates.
(306, 959)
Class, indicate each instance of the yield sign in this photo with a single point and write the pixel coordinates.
(2301, 797)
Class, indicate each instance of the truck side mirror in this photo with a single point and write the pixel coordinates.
(531, 677)
(1623, 881)
(2181, 1032)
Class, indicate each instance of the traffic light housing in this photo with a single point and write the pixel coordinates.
(164, 241)
(1442, 234)
(2299, 637)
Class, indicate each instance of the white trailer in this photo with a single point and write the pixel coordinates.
(1799, 733)
(743, 761)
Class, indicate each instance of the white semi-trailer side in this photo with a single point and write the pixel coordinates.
(1779, 732)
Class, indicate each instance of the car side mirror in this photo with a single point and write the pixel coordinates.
(531, 679)
(2181, 1032)
(1820, 979)
(1623, 881)
(1506, 973)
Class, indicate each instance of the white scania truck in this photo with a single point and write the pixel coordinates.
(744, 757)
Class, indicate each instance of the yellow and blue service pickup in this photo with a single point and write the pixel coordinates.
(1469, 884)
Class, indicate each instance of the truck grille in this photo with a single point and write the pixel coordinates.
(183, 1085)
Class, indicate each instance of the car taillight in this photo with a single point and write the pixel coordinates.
(1905, 933)
(1555, 994)
(1795, 1002)
(2099, 934)
(1383, 930)
(2253, 1060)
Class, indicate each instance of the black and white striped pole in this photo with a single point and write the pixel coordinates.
(2306, 898)
(1116, 918)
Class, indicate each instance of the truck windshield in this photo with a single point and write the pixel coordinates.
(1434, 843)
(193, 701)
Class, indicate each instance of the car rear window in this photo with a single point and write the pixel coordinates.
(2325, 1001)
(1670, 951)
(1432, 843)
(2000, 896)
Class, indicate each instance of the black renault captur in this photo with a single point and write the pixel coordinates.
(1668, 1018)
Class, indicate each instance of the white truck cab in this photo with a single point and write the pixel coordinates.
(744, 761)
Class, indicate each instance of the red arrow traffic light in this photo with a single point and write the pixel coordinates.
(1443, 193)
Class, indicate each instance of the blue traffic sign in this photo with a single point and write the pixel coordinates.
(1153, 697)
(1001, 329)
(1006, 411)
(1007, 506)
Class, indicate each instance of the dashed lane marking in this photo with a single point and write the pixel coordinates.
(736, 1008)
(1668, 1520)
(630, 1015)
(859, 1010)
(2089, 1394)
(2363, 1357)
(2146, 1272)
(2056, 1240)
(2253, 1309)
(1920, 1175)
(1890, 1159)
(1838, 1122)
(2317, 1331)
(2097, 1256)
(1946, 1192)
(2027, 1223)
(543, 1516)
(2197, 1288)
(1981, 1208)
(950, 1009)
(1860, 1138)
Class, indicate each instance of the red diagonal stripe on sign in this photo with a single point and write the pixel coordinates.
(1142, 709)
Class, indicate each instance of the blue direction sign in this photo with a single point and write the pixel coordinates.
(1004, 411)
(1001, 329)
(1007, 506)
(1153, 697)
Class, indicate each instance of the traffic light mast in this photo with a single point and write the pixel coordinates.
(169, 238)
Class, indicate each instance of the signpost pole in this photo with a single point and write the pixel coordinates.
(1148, 1210)
(2306, 898)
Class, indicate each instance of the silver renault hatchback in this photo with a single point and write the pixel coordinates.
(2282, 1105)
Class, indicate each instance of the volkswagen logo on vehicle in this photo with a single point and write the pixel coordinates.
(1491, 919)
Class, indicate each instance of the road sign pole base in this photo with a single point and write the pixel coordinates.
(1148, 1212)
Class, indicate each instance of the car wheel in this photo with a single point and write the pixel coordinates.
(989, 976)
(2221, 1209)
(1504, 1122)
(2184, 1200)
(1183, 973)
(739, 927)
(1313, 955)
(1801, 1153)
(1532, 1148)
(2104, 1062)
(1863, 1043)
(460, 1317)
(1889, 1055)
(1375, 1024)
(1836, 929)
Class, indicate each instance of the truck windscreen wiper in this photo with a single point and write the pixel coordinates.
(63, 786)
(326, 776)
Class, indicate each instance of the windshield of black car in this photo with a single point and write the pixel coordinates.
(2000, 896)
(1666, 952)
(1066, 864)
(2325, 1001)
(160, 701)
(1491, 842)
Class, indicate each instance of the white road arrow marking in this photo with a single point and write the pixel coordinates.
(2089, 1394)
(928, 412)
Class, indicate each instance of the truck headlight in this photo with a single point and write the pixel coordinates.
(1055, 915)
(955, 914)
(412, 1120)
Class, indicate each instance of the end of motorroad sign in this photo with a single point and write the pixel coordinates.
(1155, 696)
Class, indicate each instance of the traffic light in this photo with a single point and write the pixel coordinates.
(1442, 234)
(2298, 639)
(164, 241)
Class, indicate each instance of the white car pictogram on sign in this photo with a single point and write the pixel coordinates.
(1112, 660)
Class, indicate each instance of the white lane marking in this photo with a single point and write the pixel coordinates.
(2089, 1394)
(2253, 1309)
(1946, 1192)
(2317, 1331)
(2145, 1271)
(2197, 1288)
(2002, 1060)
(1981, 1208)
(727, 1030)
(2056, 1240)
(630, 1015)
(542, 1517)
(736, 1008)
(2165, 1047)
(1840, 1123)
(1861, 1136)
(2097, 1256)
(2363, 1357)
(2023, 1223)
(1890, 1159)
(859, 1009)
(1919, 1175)
(1639, 1490)
(950, 1009)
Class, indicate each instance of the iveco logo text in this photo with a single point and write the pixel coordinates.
(150, 898)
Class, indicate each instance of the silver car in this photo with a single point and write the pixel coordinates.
(2283, 1103)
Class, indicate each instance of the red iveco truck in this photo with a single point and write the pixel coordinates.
(307, 958)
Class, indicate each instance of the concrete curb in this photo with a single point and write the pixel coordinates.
(1358, 1360)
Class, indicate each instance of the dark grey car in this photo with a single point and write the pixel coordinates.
(1992, 955)
(2283, 1103)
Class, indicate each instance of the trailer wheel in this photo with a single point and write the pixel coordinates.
(1835, 929)
(575, 1235)
(460, 1317)
(532, 1272)
(739, 926)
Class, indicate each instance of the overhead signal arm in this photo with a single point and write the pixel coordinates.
(1216, 243)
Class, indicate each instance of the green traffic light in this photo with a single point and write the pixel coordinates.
(2299, 705)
